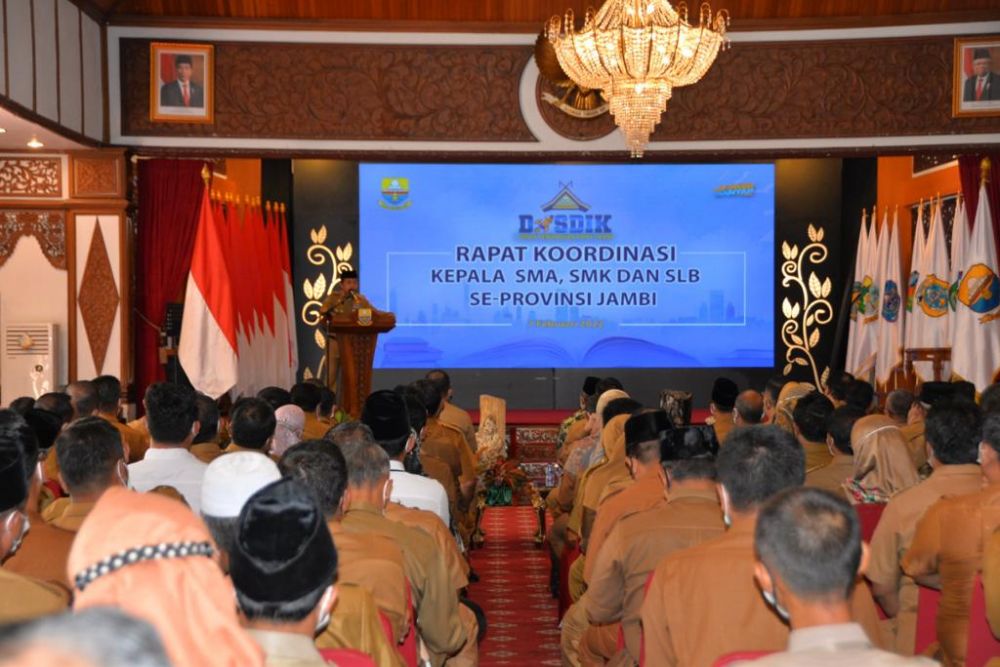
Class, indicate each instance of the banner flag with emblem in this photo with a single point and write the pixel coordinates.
(859, 272)
(976, 351)
(863, 361)
(889, 355)
(931, 317)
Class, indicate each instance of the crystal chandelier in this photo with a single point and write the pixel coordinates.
(635, 52)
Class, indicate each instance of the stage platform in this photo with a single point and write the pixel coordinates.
(533, 433)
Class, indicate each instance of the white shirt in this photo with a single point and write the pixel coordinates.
(834, 646)
(423, 493)
(170, 466)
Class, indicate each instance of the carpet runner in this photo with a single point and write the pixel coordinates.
(514, 591)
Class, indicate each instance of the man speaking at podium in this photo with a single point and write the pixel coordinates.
(342, 303)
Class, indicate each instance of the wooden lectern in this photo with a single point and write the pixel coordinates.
(355, 334)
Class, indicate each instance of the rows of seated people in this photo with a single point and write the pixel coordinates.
(811, 527)
(276, 533)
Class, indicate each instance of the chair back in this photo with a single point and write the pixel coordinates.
(982, 644)
(739, 656)
(927, 606)
(346, 657)
(409, 650)
(869, 515)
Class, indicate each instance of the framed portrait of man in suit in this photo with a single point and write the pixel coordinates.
(181, 85)
(976, 78)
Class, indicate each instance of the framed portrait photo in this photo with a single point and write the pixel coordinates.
(181, 83)
(976, 76)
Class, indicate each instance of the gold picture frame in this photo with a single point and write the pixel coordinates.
(181, 83)
(973, 57)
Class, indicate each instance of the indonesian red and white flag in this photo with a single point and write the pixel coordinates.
(208, 347)
(976, 352)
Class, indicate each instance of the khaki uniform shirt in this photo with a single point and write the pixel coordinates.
(835, 646)
(430, 523)
(576, 431)
(644, 494)
(447, 444)
(67, 515)
(634, 548)
(354, 623)
(452, 415)
(817, 455)
(915, 443)
(703, 603)
(23, 598)
(315, 428)
(136, 442)
(895, 533)
(832, 476)
(434, 598)
(286, 649)
(43, 554)
(722, 424)
(949, 541)
(207, 451)
(375, 563)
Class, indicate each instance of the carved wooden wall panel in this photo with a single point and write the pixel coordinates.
(822, 89)
(97, 175)
(30, 177)
(470, 93)
(98, 298)
(48, 227)
(332, 91)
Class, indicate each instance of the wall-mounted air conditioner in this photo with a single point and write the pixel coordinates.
(28, 361)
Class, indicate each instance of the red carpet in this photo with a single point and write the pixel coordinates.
(514, 591)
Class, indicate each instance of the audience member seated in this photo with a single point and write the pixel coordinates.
(897, 405)
(913, 430)
(44, 549)
(637, 543)
(385, 413)
(702, 602)
(368, 560)
(22, 404)
(953, 436)
(284, 567)
(328, 410)
(809, 557)
(58, 403)
(989, 400)
(151, 557)
(575, 426)
(787, 399)
(446, 443)
(290, 422)
(809, 417)
(949, 542)
(275, 396)
(109, 391)
(229, 481)
(251, 426)
(206, 445)
(91, 638)
(724, 393)
(46, 426)
(836, 388)
(771, 393)
(83, 398)
(882, 463)
(307, 396)
(21, 597)
(452, 415)
(368, 491)
(860, 395)
(838, 441)
(748, 409)
(171, 415)
(91, 460)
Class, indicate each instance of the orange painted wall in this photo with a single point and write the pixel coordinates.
(242, 178)
(898, 187)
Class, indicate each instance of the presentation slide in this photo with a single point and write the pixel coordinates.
(570, 266)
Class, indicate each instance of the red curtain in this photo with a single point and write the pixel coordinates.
(969, 169)
(169, 196)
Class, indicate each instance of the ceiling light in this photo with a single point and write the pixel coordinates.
(3, 130)
(35, 143)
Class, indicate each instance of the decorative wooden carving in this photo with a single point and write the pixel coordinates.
(98, 299)
(30, 177)
(580, 129)
(96, 177)
(48, 228)
(345, 91)
(897, 87)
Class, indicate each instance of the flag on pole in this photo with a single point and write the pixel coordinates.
(930, 319)
(889, 355)
(293, 347)
(960, 239)
(863, 361)
(859, 271)
(208, 347)
(976, 352)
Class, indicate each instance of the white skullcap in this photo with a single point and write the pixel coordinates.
(607, 397)
(231, 479)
